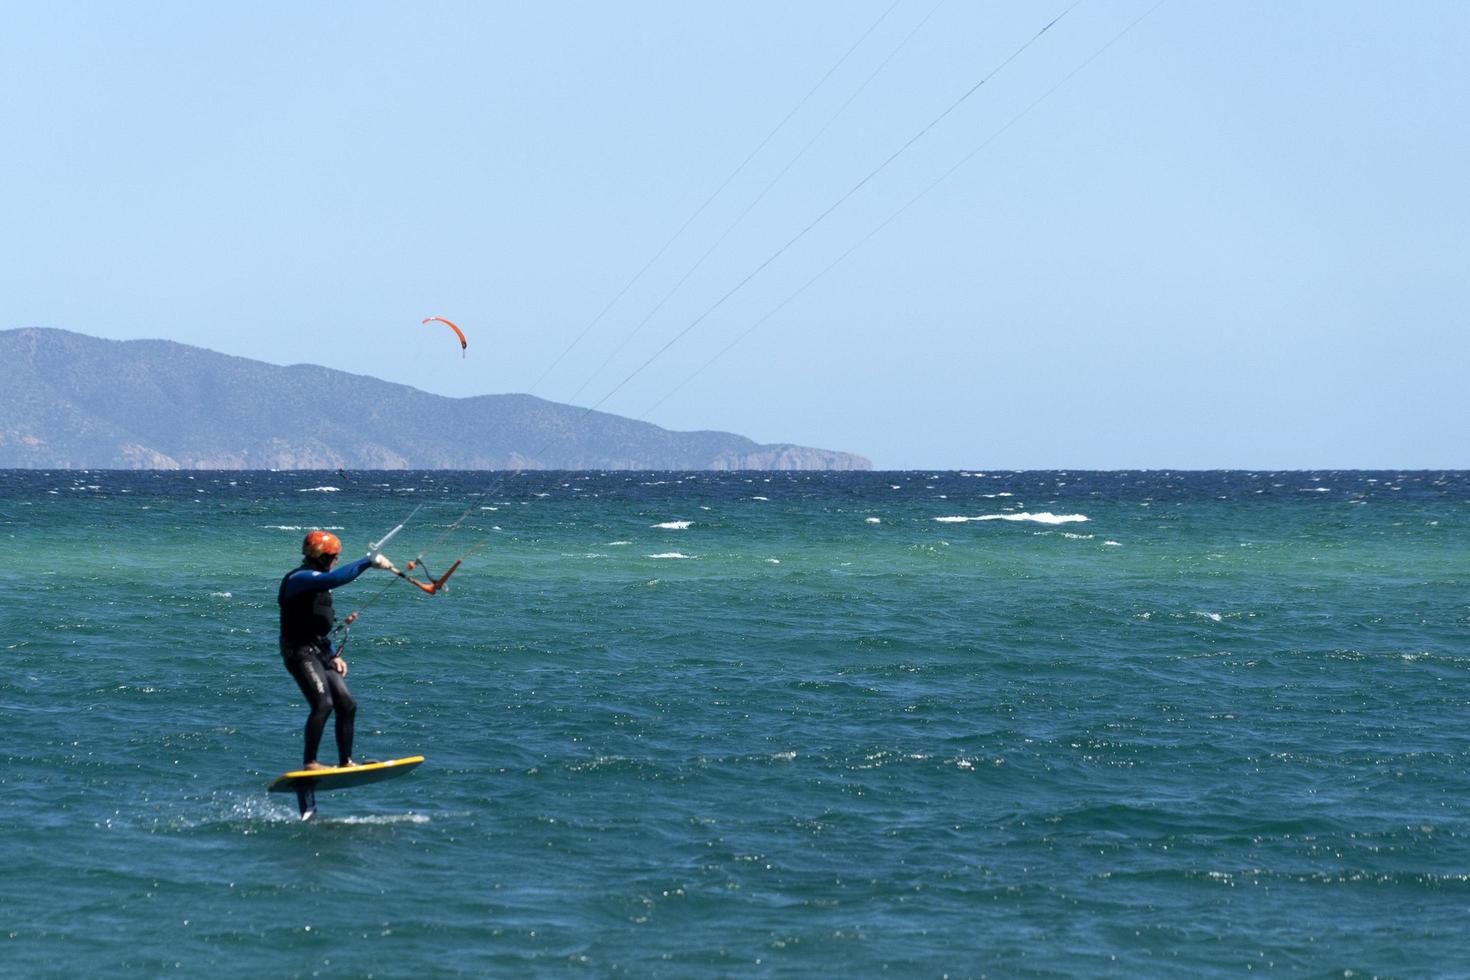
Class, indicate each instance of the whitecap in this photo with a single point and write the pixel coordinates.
(611, 544)
(760, 498)
(670, 554)
(872, 520)
(222, 595)
(774, 561)
(673, 525)
(1112, 544)
(1045, 517)
(320, 490)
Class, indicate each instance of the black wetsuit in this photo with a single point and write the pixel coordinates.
(307, 618)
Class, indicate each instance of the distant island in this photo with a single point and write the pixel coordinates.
(70, 401)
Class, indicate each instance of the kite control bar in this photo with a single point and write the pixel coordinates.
(437, 585)
(432, 587)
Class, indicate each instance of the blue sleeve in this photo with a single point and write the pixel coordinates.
(308, 580)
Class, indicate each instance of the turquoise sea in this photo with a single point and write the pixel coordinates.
(748, 724)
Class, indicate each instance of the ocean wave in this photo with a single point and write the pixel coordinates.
(320, 490)
(1045, 517)
(673, 525)
(670, 554)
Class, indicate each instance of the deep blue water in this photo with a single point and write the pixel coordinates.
(1217, 727)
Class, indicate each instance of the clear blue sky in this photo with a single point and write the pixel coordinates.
(1239, 238)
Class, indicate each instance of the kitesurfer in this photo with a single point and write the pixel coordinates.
(307, 619)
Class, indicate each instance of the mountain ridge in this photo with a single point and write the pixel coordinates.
(69, 400)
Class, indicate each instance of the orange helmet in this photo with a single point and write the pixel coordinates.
(319, 543)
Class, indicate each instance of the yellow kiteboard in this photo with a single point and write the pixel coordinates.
(305, 782)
